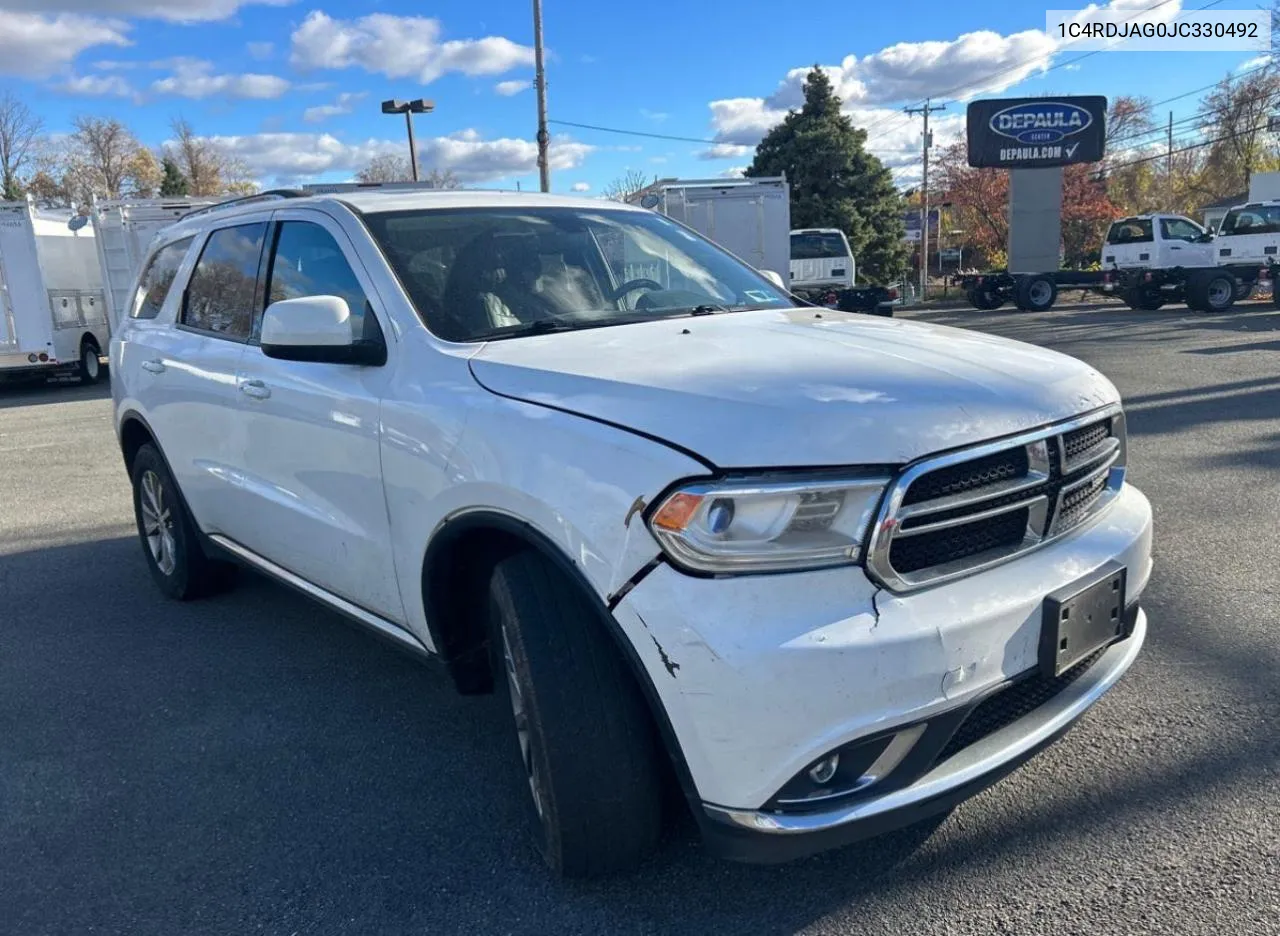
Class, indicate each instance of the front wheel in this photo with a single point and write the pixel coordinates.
(170, 542)
(586, 741)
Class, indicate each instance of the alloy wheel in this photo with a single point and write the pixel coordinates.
(157, 523)
(521, 714)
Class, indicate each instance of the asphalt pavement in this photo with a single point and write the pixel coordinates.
(252, 764)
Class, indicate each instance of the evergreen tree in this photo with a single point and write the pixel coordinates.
(173, 182)
(834, 181)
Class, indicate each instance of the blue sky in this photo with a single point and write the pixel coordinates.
(294, 87)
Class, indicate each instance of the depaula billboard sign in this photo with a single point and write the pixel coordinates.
(1036, 133)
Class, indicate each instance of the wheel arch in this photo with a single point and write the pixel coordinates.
(463, 551)
(135, 432)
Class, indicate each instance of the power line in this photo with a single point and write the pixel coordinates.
(641, 133)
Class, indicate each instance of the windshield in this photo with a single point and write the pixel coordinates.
(815, 246)
(1130, 231)
(1256, 219)
(482, 273)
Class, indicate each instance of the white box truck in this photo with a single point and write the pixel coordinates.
(750, 218)
(53, 313)
(123, 228)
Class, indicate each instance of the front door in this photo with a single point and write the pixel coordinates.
(311, 472)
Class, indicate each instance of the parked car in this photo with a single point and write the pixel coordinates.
(829, 573)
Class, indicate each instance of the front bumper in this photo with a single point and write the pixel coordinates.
(759, 676)
(762, 836)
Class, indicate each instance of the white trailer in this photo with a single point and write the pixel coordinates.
(53, 313)
(750, 218)
(123, 228)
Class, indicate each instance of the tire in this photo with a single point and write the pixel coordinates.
(984, 299)
(585, 736)
(1243, 291)
(1146, 299)
(169, 539)
(1037, 293)
(90, 369)
(1211, 291)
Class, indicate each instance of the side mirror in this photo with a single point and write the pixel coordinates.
(773, 277)
(317, 329)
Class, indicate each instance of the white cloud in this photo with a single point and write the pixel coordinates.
(176, 11)
(581, 187)
(509, 88)
(194, 78)
(343, 105)
(33, 45)
(981, 62)
(724, 151)
(400, 46)
(96, 86)
(655, 116)
(285, 158)
(733, 172)
(1249, 64)
(260, 50)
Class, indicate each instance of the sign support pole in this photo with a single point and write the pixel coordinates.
(924, 195)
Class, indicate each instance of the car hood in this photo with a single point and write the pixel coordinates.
(796, 387)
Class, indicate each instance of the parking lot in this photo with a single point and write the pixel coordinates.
(251, 763)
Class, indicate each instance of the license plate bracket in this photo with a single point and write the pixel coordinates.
(1082, 617)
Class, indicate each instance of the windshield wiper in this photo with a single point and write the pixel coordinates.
(539, 327)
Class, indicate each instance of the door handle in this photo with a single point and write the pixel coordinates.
(256, 389)
(154, 367)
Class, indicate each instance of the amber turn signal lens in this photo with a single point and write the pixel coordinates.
(677, 511)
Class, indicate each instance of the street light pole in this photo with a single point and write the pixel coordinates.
(413, 150)
(540, 83)
(409, 108)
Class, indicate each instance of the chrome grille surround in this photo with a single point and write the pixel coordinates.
(1074, 470)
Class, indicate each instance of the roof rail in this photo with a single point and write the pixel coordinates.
(248, 199)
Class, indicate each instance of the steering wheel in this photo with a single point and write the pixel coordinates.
(631, 286)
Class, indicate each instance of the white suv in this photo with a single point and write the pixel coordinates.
(828, 573)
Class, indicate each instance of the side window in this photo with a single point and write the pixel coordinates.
(309, 262)
(157, 279)
(219, 297)
(1177, 229)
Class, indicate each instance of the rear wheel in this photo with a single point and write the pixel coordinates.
(90, 369)
(1243, 291)
(1037, 293)
(586, 741)
(169, 538)
(1144, 298)
(984, 298)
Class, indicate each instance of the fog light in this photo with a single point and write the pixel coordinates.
(824, 770)
(31, 357)
(44, 356)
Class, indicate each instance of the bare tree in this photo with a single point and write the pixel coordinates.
(443, 179)
(108, 147)
(199, 158)
(391, 167)
(19, 130)
(1237, 120)
(386, 167)
(628, 184)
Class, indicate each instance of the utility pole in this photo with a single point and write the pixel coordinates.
(924, 192)
(1168, 160)
(540, 82)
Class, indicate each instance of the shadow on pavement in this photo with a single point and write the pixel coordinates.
(251, 762)
(52, 390)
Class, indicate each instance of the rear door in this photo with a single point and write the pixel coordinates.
(311, 497)
(187, 370)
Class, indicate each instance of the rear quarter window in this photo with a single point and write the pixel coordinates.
(157, 279)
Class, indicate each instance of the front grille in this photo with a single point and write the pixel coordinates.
(1000, 466)
(1013, 702)
(951, 514)
(1079, 441)
(913, 553)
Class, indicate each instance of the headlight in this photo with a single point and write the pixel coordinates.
(765, 524)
